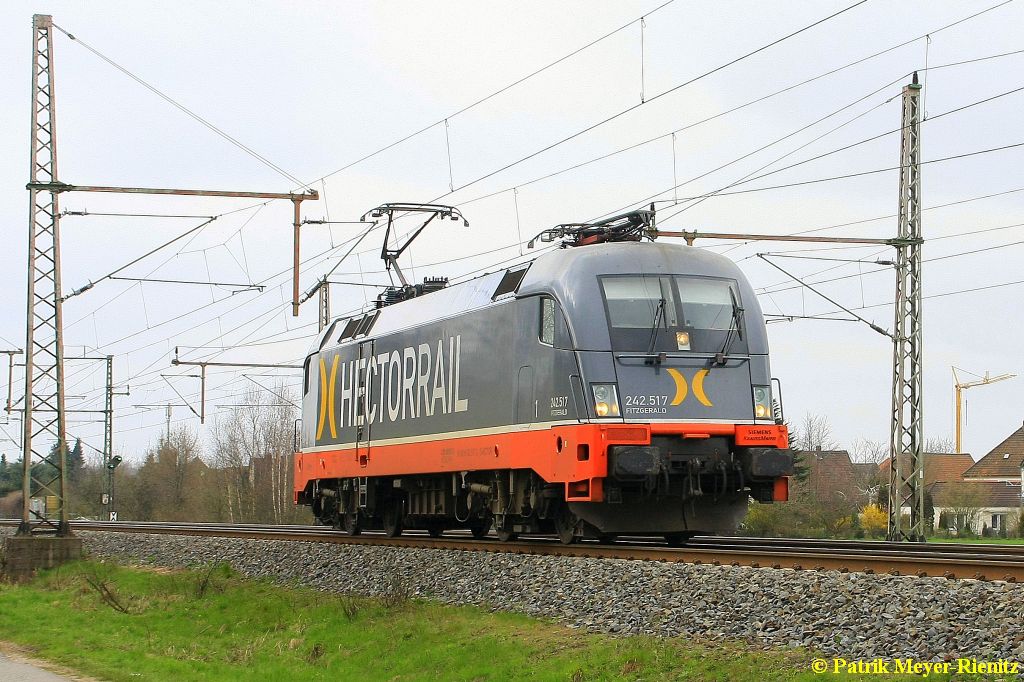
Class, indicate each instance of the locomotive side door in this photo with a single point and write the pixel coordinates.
(526, 404)
(364, 423)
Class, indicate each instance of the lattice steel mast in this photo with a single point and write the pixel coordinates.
(44, 445)
(906, 472)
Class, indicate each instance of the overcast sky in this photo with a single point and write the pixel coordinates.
(314, 86)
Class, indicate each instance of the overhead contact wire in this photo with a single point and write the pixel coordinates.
(496, 92)
(674, 88)
(181, 107)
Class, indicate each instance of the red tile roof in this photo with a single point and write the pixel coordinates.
(995, 465)
(831, 475)
(939, 466)
(985, 494)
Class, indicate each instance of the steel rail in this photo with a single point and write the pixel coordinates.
(983, 562)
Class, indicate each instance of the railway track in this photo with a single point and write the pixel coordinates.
(972, 561)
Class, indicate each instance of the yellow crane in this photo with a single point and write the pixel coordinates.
(960, 386)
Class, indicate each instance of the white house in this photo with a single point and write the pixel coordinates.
(992, 486)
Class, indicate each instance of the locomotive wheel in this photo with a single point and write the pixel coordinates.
(506, 535)
(503, 529)
(565, 525)
(480, 527)
(325, 513)
(435, 530)
(607, 538)
(393, 519)
(676, 539)
(352, 523)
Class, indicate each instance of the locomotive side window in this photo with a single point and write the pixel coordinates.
(366, 324)
(510, 281)
(350, 329)
(547, 320)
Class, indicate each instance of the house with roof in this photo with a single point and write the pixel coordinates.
(869, 481)
(943, 476)
(832, 478)
(988, 496)
(938, 467)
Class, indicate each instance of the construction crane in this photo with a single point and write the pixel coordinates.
(960, 386)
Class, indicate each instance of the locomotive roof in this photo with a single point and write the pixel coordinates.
(570, 275)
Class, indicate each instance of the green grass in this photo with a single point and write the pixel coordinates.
(209, 624)
(980, 541)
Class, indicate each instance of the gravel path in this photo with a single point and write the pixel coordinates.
(851, 615)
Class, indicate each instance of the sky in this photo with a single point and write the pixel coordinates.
(314, 87)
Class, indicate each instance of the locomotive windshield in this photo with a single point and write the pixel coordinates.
(707, 303)
(670, 313)
(635, 302)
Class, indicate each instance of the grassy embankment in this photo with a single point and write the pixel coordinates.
(120, 623)
(980, 541)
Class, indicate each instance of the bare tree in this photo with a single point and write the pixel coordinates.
(253, 448)
(815, 433)
(867, 457)
(943, 444)
(177, 457)
(167, 484)
(864, 450)
(963, 502)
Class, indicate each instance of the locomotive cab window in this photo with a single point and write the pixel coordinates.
(547, 320)
(639, 302)
(672, 313)
(708, 303)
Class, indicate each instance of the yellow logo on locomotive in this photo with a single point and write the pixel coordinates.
(682, 390)
(327, 399)
(409, 383)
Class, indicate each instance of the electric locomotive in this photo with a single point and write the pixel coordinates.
(614, 386)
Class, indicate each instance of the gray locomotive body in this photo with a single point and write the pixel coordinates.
(616, 388)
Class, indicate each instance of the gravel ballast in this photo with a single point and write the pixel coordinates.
(853, 615)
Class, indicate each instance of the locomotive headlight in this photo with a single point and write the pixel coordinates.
(606, 400)
(762, 402)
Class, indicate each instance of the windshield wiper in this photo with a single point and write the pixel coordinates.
(735, 329)
(659, 315)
